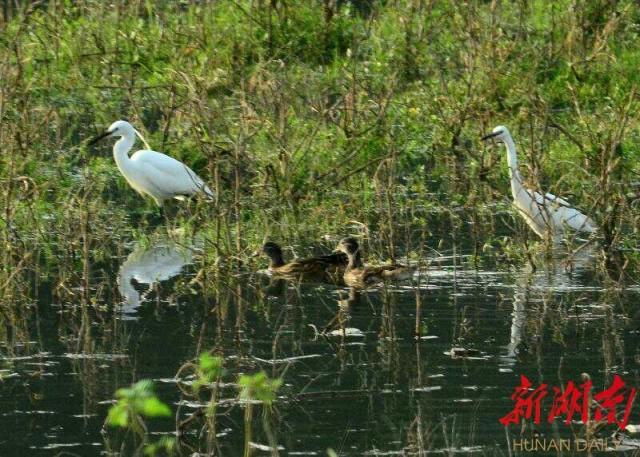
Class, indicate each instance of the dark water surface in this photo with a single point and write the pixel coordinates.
(375, 391)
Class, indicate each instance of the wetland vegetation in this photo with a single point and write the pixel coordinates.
(126, 333)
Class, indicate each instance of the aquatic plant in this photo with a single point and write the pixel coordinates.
(135, 404)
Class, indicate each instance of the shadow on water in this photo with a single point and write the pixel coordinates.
(357, 377)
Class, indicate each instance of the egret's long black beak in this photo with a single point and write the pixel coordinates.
(99, 137)
(490, 135)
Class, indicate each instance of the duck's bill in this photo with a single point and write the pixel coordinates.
(99, 137)
(490, 135)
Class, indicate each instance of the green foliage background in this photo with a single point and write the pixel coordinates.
(306, 115)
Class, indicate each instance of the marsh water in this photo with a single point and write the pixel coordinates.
(356, 378)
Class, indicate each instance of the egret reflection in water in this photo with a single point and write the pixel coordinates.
(150, 265)
(562, 274)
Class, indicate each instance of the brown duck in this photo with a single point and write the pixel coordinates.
(358, 275)
(326, 267)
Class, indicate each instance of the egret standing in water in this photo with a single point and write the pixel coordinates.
(545, 214)
(152, 173)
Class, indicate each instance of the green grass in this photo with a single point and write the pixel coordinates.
(306, 117)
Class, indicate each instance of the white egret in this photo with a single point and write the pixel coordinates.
(152, 173)
(545, 214)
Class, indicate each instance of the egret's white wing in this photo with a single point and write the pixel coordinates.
(170, 175)
(575, 219)
(554, 199)
(549, 198)
(564, 213)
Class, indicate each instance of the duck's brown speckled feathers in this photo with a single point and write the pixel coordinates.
(359, 275)
(326, 267)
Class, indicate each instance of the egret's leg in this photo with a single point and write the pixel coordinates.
(154, 217)
(165, 215)
(188, 209)
(162, 212)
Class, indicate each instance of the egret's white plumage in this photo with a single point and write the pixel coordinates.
(545, 214)
(152, 173)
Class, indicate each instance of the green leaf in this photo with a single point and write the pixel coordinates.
(259, 387)
(209, 368)
(166, 443)
(209, 364)
(152, 407)
(135, 401)
(118, 416)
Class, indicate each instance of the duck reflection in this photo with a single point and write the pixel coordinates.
(150, 265)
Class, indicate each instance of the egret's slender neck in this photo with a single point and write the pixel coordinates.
(512, 161)
(121, 150)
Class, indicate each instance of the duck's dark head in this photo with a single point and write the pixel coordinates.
(273, 251)
(349, 246)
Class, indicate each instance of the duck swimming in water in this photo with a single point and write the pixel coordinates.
(359, 275)
(327, 267)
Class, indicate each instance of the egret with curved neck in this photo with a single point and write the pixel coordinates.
(152, 173)
(547, 215)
